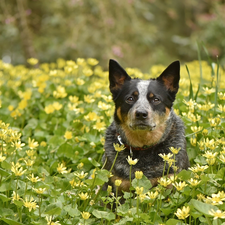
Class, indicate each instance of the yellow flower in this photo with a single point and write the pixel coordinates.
(138, 175)
(80, 166)
(18, 171)
(15, 196)
(198, 168)
(221, 95)
(30, 153)
(91, 116)
(214, 122)
(32, 61)
(131, 161)
(142, 197)
(166, 157)
(217, 214)
(57, 106)
(164, 181)
(33, 179)
(193, 141)
(118, 147)
(152, 195)
(92, 61)
(10, 108)
(43, 144)
(139, 190)
(74, 184)
(89, 99)
(87, 72)
(210, 155)
(216, 199)
(183, 213)
(118, 182)
(18, 145)
(180, 186)
(32, 143)
(208, 91)
(80, 82)
(50, 222)
(30, 204)
(221, 157)
(174, 150)
(85, 215)
(68, 135)
(200, 197)
(81, 175)
(49, 109)
(99, 126)
(194, 182)
(39, 190)
(196, 129)
(29, 162)
(61, 168)
(2, 158)
(60, 92)
(22, 104)
(74, 99)
(83, 196)
(103, 106)
(205, 132)
(206, 107)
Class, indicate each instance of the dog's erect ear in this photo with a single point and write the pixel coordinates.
(170, 77)
(117, 75)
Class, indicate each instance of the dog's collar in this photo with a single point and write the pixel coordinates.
(145, 147)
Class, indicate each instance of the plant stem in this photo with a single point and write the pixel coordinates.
(130, 184)
(114, 162)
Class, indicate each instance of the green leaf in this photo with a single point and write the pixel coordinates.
(124, 221)
(184, 175)
(143, 182)
(94, 162)
(66, 150)
(71, 210)
(221, 173)
(4, 172)
(103, 214)
(204, 208)
(4, 198)
(11, 222)
(174, 222)
(54, 209)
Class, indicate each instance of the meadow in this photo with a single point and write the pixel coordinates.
(52, 123)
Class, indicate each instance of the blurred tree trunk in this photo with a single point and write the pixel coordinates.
(25, 33)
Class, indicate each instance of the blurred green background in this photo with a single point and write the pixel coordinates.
(138, 33)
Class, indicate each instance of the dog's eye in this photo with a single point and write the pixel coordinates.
(130, 100)
(156, 101)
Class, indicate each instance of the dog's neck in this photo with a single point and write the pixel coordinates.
(144, 147)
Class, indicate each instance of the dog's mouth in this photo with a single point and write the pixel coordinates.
(142, 126)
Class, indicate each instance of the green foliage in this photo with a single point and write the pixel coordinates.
(53, 120)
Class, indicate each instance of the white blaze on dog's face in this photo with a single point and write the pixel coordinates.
(139, 116)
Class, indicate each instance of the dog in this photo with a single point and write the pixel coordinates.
(145, 124)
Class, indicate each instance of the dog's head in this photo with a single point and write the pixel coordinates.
(143, 105)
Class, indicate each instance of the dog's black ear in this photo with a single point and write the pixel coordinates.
(170, 77)
(117, 76)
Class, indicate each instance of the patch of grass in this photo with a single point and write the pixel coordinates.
(52, 127)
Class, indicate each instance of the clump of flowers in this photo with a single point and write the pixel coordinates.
(52, 127)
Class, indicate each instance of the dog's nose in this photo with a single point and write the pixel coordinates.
(141, 115)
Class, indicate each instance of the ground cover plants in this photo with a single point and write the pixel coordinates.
(52, 122)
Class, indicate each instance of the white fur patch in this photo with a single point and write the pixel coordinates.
(142, 87)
